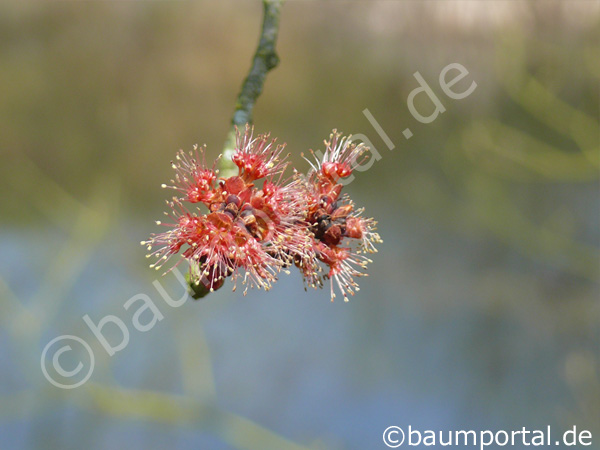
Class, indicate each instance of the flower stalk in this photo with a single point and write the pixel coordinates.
(265, 59)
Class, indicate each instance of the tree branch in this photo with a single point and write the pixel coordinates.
(265, 59)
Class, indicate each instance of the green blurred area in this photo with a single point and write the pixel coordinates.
(97, 91)
(96, 98)
(113, 89)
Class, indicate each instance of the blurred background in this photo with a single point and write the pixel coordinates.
(481, 310)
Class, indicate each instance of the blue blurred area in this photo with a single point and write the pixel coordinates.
(422, 347)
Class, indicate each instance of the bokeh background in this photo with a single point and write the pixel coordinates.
(481, 310)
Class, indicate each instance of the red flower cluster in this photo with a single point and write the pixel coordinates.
(256, 223)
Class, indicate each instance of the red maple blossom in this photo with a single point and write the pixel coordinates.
(241, 230)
